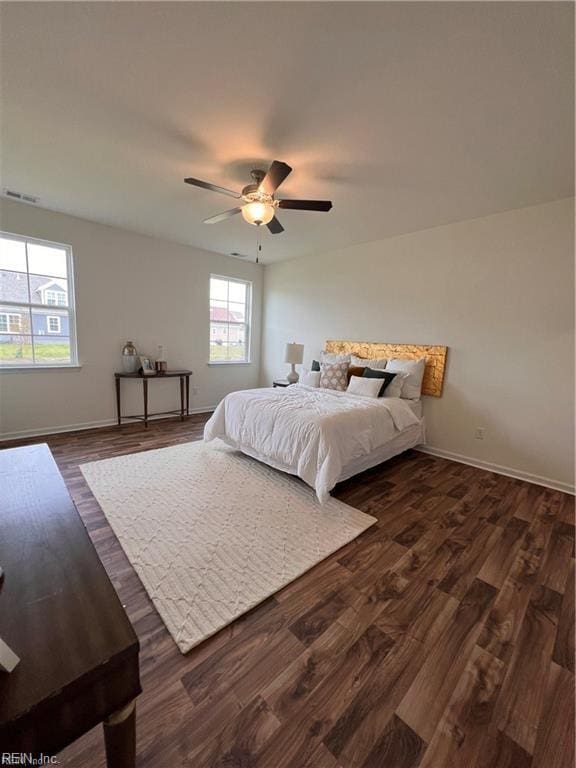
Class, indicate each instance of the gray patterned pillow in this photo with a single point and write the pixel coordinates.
(376, 363)
(333, 357)
(334, 375)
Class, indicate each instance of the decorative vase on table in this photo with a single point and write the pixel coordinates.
(130, 358)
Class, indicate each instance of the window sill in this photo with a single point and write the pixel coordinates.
(21, 368)
(229, 362)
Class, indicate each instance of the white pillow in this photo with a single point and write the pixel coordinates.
(394, 389)
(412, 384)
(364, 387)
(333, 357)
(310, 378)
(377, 363)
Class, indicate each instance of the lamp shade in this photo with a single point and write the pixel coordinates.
(294, 354)
(257, 213)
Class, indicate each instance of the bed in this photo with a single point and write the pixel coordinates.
(323, 436)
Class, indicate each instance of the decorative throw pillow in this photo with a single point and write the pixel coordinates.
(355, 370)
(394, 389)
(334, 375)
(310, 378)
(374, 362)
(364, 387)
(384, 377)
(315, 365)
(333, 357)
(414, 370)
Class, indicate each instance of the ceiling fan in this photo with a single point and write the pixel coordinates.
(259, 202)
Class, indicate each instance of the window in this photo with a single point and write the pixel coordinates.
(54, 324)
(229, 320)
(10, 323)
(36, 275)
(56, 298)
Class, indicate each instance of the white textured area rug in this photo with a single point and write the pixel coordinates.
(211, 533)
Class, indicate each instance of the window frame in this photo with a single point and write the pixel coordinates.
(11, 316)
(247, 323)
(58, 318)
(8, 315)
(70, 307)
(56, 294)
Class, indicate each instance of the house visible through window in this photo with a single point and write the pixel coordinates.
(37, 325)
(230, 301)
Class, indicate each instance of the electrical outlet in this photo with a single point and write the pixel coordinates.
(195, 390)
(480, 432)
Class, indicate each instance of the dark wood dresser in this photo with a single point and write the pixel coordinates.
(60, 614)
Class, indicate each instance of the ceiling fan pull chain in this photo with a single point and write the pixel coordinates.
(258, 245)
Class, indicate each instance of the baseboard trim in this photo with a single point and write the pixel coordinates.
(499, 469)
(8, 436)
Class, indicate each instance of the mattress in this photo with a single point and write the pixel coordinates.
(415, 406)
(409, 438)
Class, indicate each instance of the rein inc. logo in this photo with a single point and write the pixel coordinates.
(27, 758)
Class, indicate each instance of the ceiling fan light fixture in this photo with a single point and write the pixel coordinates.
(258, 202)
(258, 213)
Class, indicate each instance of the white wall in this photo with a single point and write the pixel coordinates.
(498, 291)
(128, 286)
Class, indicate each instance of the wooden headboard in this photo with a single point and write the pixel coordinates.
(435, 358)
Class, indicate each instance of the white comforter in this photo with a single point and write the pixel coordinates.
(310, 432)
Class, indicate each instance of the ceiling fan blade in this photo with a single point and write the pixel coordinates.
(222, 216)
(212, 187)
(276, 174)
(274, 226)
(306, 205)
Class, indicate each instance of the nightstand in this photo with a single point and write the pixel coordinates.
(280, 383)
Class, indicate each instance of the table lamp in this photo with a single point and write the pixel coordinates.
(294, 355)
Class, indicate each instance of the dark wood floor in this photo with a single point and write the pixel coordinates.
(442, 637)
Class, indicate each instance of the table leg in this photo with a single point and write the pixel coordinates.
(145, 393)
(181, 398)
(120, 737)
(187, 395)
(118, 405)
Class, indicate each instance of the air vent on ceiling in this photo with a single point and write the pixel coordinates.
(22, 196)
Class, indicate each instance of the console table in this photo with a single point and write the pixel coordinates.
(61, 615)
(184, 409)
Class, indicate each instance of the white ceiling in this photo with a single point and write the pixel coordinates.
(405, 115)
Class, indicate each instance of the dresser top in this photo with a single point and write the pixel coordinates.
(58, 609)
